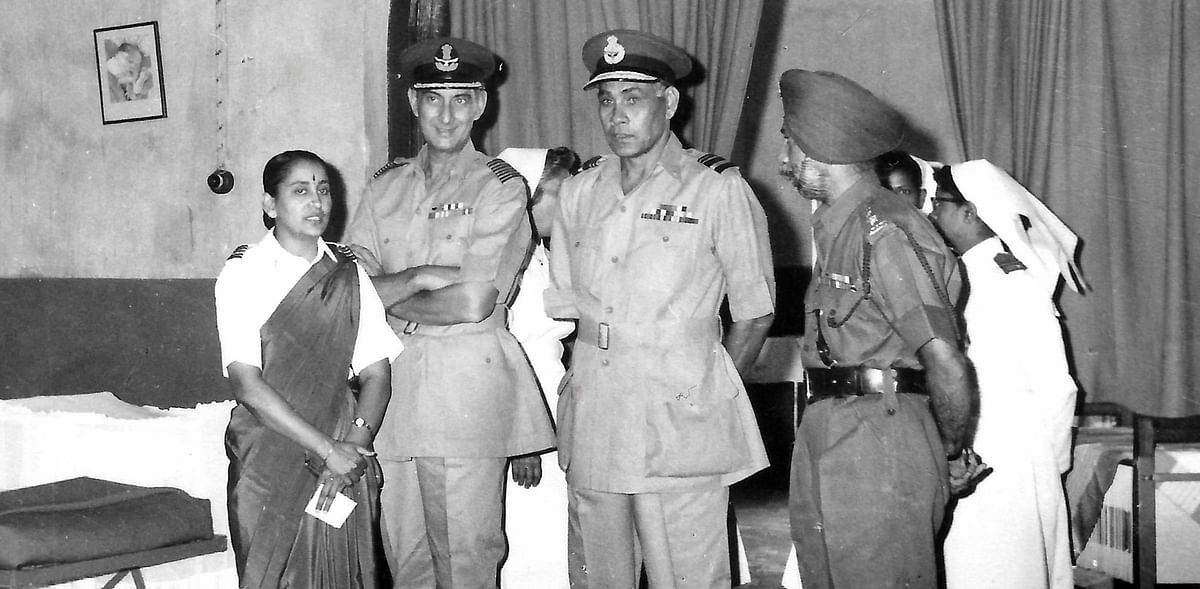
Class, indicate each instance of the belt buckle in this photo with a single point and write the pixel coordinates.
(411, 327)
(602, 336)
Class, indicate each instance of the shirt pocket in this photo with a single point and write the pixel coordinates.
(449, 237)
(670, 249)
(840, 297)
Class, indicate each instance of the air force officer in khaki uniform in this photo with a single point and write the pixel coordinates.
(654, 423)
(451, 232)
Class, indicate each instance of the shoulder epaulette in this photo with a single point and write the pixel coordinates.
(343, 252)
(1008, 262)
(396, 163)
(503, 170)
(875, 222)
(716, 162)
(238, 251)
(591, 163)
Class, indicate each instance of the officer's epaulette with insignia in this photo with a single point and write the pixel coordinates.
(343, 252)
(396, 163)
(503, 170)
(1008, 262)
(592, 162)
(875, 222)
(716, 162)
(238, 251)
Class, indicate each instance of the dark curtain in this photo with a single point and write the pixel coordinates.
(539, 101)
(1095, 107)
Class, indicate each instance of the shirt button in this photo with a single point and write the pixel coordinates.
(487, 360)
(666, 238)
(419, 211)
(608, 309)
(576, 244)
(622, 208)
(613, 259)
(387, 240)
(449, 237)
(604, 362)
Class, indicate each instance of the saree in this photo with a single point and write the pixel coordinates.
(307, 346)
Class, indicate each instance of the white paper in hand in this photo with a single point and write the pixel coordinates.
(338, 511)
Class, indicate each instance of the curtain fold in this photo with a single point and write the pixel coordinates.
(540, 101)
(1095, 107)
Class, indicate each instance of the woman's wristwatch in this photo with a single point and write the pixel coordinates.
(360, 422)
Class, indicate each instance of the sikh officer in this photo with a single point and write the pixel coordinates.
(654, 423)
(1012, 531)
(892, 393)
(450, 234)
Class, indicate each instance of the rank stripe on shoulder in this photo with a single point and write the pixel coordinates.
(503, 170)
(396, 163)
(238, 251)
(593, 162)
(716, 162)
(343, 251)
(1008, 262)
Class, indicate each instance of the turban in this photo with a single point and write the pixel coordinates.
(836, 121)
(1032, 232)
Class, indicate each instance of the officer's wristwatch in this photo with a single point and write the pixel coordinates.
(360, 422)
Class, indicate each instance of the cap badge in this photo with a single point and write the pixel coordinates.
(614, 52)
(447, 61)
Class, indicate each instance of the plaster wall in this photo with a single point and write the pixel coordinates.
(81, 199)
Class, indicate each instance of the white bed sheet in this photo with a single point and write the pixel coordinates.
(52, 438)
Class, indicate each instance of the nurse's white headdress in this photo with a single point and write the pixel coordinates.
(529, 162)
(928, 184)
(1032, 232)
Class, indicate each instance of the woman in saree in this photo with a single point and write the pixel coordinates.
(298, 321)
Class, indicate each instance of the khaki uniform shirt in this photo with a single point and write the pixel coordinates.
(461, 390)
(652, 401)
(882, 322)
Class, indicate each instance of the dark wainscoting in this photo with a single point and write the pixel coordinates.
(149, 342)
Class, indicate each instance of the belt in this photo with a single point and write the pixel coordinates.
(639, 334)
(855, 381)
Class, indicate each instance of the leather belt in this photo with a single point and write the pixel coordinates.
(855, 381)
(642, 334)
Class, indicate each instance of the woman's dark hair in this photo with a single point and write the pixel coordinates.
(945, 181)
(279, 167)
(897, 161)
(560, 158)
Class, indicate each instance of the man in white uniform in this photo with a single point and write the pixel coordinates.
(1012, 532)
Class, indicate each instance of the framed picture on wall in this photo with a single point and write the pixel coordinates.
(129, 67)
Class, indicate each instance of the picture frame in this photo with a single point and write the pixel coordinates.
(129, 71)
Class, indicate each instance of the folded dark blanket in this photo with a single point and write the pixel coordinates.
(85, 518)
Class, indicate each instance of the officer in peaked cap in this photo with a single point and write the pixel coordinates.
(450, 231)
(882, 352)
(447, 62)
(634, 56)
(654, 422)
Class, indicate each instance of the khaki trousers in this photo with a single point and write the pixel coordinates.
(681, 538)
(441, 521)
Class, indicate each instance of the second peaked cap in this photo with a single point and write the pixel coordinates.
(635, 56)
(447, 62)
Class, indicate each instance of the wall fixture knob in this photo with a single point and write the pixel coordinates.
(220, 181)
